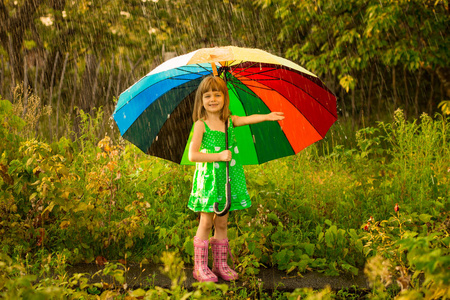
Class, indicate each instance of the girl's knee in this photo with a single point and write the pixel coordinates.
(206, 220)
(221, 222)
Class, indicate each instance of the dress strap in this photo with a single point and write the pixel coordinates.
(206, 126)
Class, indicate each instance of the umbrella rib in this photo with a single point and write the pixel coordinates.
(293, 83)
(190, 72)
(248, 67)
(314, 80)
(186, 72)
(237, 87)
(250, 127)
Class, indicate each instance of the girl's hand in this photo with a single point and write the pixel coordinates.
(225, 155)
(275, 116)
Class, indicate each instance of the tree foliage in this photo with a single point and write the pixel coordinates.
(349, 38)
(375, 55)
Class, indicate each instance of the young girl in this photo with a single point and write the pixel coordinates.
(207, 149)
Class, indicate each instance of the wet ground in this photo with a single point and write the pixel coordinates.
(150, 275)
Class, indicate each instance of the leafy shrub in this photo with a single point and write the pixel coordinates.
(412, 250)
(103, 198)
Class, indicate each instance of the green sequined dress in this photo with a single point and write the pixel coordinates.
(210, 177)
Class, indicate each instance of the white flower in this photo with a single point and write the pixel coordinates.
(125, 13)
(47, 21)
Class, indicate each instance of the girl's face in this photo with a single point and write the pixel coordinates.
(213, 101)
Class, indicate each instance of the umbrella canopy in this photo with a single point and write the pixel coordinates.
(155, 113)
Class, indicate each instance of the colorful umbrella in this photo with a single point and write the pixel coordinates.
(155, 113)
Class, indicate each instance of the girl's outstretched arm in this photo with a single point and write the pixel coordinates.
(194, 148)
(253, 119)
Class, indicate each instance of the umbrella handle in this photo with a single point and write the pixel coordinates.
(227, 184)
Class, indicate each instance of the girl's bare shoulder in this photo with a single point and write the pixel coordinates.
(199, 125)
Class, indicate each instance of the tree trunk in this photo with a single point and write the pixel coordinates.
(41, 83)
(416, 96)
(36, 75)
(363, 95)
(118, 90)
(87, 83)
(94, 88)
(407, 96)
(108, 91)
(58, 103)
(50, 129)
(2, 77)
(430, 103)
(25, 87)
(380, 99)
(13, 26)
(369, 96)
(11, 63)
(130, 74)
(132, 69)
(394, 88)
(444, 76)
(74, 92)
(353, 109)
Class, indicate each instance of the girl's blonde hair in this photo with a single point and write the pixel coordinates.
(213, 83)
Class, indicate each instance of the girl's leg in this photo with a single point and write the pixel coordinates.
(221, 227)
(201, 271)
(205, 225)
(220, 249)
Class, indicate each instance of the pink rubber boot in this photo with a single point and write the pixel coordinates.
(201, 271)
(220, 250)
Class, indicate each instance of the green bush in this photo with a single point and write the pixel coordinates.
(102, 199)
(411, 250)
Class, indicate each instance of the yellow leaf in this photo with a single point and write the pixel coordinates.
(347, 82)
(64, 224)
(445, 107)
(65, 195)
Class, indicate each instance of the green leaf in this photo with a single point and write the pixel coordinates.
(329, 239)
(309, 249)
(175, 239)
(349, 268)
(425, 218)
(137, 293)
(189, 246)
(251, 246)
(320, 238)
